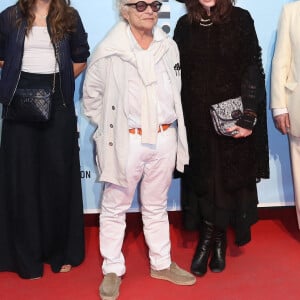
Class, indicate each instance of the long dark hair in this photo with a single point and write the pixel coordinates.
(219, 13)
(61, 17)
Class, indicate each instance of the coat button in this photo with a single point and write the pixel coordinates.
(111, 126)
(113, 107)
(110, 144)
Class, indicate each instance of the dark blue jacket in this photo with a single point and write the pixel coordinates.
(72, 48)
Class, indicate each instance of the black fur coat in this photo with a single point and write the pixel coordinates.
(219, 62)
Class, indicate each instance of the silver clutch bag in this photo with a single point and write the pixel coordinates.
(225, 114)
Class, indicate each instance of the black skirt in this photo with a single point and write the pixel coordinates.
(41, 213)
(216, 203)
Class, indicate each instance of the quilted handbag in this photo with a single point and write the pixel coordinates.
(32, 105)
(225, 114)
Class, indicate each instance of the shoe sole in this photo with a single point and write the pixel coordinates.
(109, 297)
(191, 282)
(198, 274)
(217, 270)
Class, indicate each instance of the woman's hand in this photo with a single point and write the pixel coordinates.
(239, 132)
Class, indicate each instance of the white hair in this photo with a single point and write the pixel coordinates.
(121, 6)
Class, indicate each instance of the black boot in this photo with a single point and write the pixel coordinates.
(200, 259)
(217, 262)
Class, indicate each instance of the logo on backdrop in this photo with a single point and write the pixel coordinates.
(165, 16)
(85, 174)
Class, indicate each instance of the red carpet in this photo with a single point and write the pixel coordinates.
(267, 268)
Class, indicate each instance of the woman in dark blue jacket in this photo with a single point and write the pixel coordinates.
(41, 215)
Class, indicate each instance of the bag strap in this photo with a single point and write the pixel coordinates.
(54, 77)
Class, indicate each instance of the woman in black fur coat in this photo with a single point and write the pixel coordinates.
(220, 60)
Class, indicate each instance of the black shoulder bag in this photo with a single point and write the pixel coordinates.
(32, 104)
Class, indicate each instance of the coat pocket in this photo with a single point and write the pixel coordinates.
(293, 107)
(98, 139)
(291, 85)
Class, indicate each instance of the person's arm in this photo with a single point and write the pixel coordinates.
(79, 47)
(78, 68)
(93, 90)
(1, 64)
(280, 70)
(253, 79)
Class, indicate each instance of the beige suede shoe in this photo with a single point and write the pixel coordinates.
(109, 287)
(175, 275)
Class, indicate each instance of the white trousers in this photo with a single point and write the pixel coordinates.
(295, 157)
(153, 166)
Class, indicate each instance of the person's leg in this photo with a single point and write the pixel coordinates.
(154, 194)
(295, 157)
(20, 238)
(217, 262)
(115, 202)
(61, 204)
(203, 249)
(154, 189)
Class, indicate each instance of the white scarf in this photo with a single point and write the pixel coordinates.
(145, 64)
(118, 43)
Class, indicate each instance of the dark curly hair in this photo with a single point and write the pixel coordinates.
(219, 13)
(61, 17)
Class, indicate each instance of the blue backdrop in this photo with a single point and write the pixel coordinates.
(100, 15)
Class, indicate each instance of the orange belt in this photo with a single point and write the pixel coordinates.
(162, 127)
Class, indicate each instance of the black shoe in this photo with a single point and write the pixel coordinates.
(201, 256)
(217, 262)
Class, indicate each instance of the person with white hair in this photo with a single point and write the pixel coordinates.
(131, 93)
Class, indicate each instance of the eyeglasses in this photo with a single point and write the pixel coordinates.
(141, 6)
